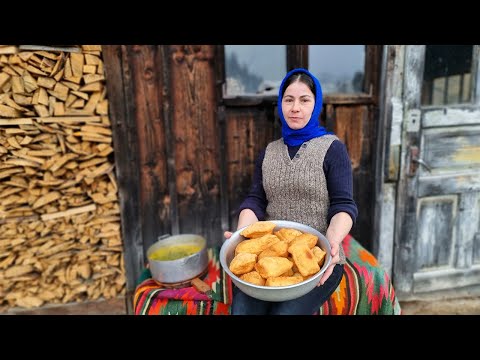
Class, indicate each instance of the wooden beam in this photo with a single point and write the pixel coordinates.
(122, 116)
(74, 49)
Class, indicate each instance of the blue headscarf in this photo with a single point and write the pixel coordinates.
(312, 129)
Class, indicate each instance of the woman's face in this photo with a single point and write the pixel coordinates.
(297, 105)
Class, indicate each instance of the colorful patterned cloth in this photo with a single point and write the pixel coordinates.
(151, 299)
(365, 289)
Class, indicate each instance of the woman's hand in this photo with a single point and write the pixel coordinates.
(340, 225)
(246, 217)
(335, 259)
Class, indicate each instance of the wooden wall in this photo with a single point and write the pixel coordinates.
(248, 130)
(354, 125)
(166, 145)
(184, 159)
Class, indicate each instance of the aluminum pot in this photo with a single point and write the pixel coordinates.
(278, 293)
(179, 270)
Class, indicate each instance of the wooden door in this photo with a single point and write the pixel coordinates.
(437, 247)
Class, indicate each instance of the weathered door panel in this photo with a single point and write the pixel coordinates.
(439, 202)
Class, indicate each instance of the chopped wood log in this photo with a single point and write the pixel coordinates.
(29, 82)
(69, 212)
(8, 50)
(46, 199)
(18, 121)
(89, 69)
(13, 104)
(71, 85)
(92, 87)
(42, 96)
(22, 100)
(45, 54)
(77, 61)
(7, 111)
(4, 77)
(46, 82)
(60, 234)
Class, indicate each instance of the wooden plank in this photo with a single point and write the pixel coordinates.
(406, 217)
(124, 128)
(387, 157)
(51, 48)
(248, 131)
(222, 136)
(450, 184)
(196, 159)
(451, 149)
(169, 143)
(349, 123)
(155, 205)
(467, 229)
(434, 247)
(66, 119)
(450, 117)
(444, 279)
(69, 212)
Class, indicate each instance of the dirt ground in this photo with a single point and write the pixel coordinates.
(460, 306)
(102, 307)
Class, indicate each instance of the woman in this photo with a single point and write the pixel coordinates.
(305, 176)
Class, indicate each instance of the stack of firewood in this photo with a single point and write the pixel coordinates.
(60, 238)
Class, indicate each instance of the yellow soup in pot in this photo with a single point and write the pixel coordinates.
(174, 252)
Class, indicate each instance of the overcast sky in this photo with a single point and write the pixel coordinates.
(270, 60)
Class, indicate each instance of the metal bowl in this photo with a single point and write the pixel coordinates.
(277, 293)
(179, 270)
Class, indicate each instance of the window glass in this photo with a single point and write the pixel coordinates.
(254, 69)
(340, 68)
(447, 74)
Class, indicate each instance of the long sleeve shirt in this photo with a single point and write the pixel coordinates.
(338, 173)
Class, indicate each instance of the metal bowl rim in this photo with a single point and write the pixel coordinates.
(284, 223)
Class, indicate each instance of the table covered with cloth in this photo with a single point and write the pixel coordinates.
(365, 289)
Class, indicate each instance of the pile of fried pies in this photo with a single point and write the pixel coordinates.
(281, 258)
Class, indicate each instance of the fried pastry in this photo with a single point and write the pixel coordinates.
(319, 254)
(273, 266)
(289, 272)
(278, 249)
(243, 263)
(266, 253)
(304, 258)
(253, 277)
(283, 280)
(287, 234)
(258, 229)
(257, 245)
(294, 267)
(309, 239)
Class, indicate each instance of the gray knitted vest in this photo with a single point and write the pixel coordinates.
(296, 189)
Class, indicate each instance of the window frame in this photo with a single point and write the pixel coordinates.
(474, 86)
(297, 56)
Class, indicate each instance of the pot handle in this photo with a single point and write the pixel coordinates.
(202, 286)
(163, 237)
